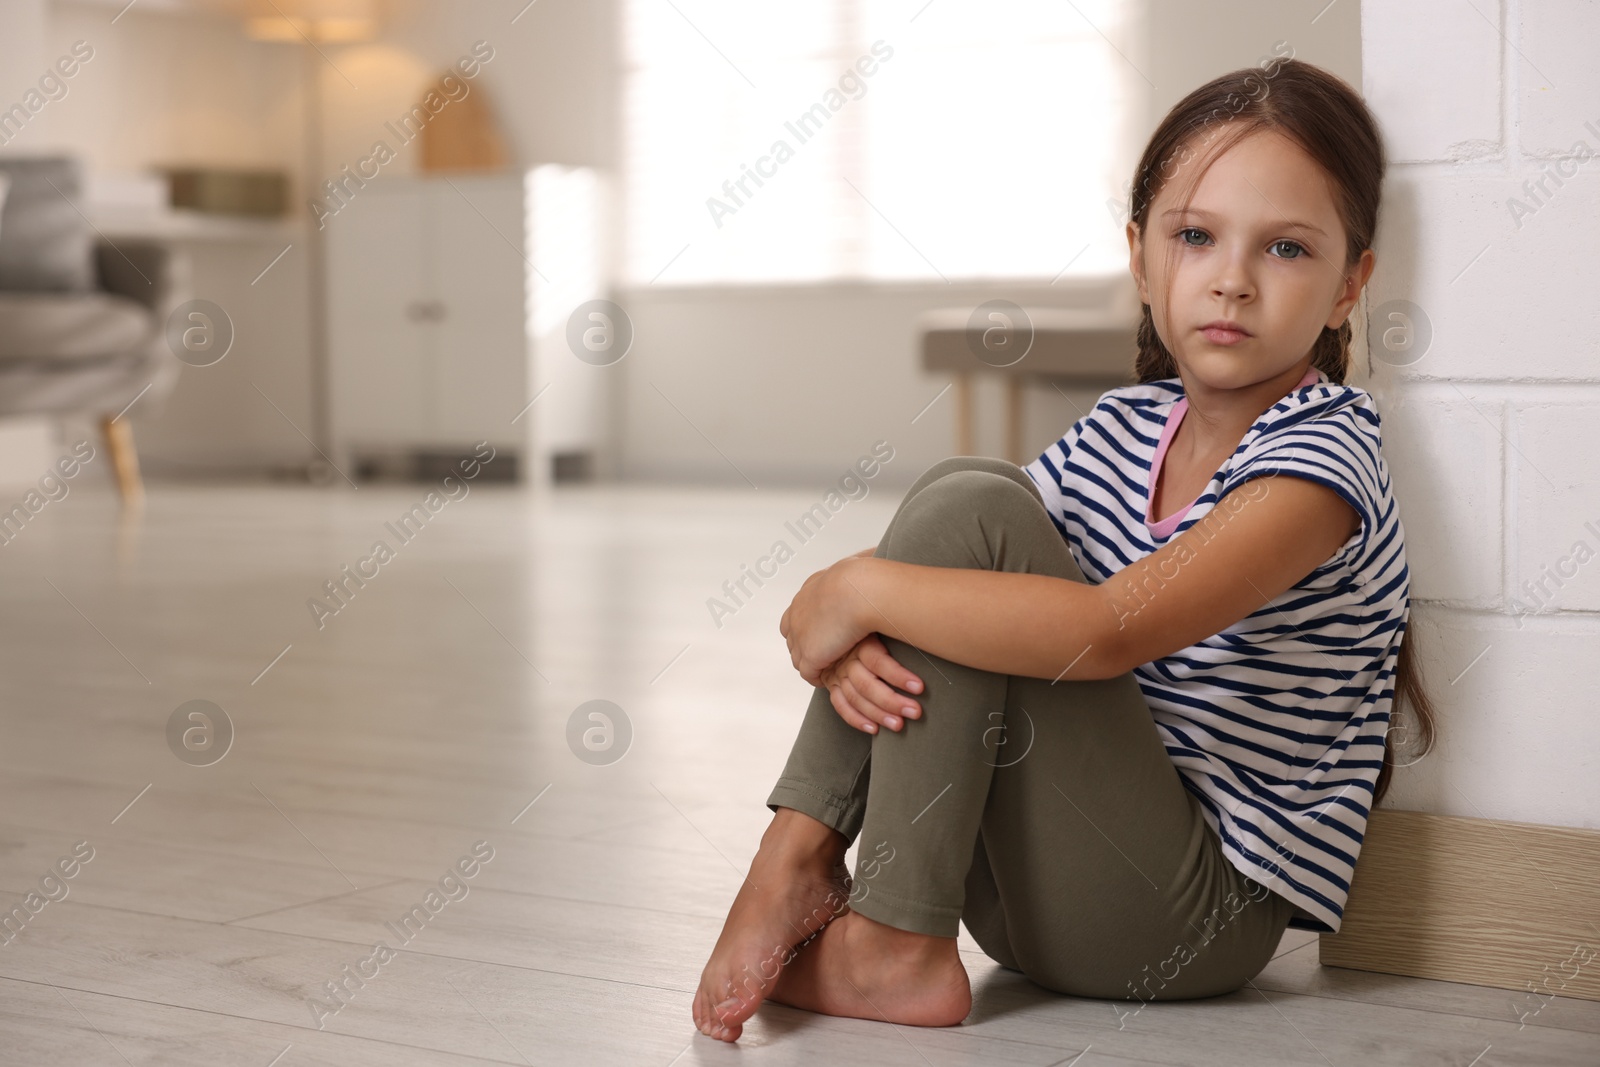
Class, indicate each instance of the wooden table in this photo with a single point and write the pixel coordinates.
(1087, 347)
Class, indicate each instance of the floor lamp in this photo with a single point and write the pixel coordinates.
(313, 24)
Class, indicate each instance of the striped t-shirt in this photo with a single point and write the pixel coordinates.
(1277, 723)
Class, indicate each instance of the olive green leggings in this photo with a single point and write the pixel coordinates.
(1045, 815)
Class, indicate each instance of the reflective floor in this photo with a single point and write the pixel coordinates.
(240, 828)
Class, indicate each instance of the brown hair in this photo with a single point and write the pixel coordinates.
(1332, 124)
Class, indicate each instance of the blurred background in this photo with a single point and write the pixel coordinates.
(401, 283)
(402, 404)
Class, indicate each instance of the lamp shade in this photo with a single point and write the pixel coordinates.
(321, 21)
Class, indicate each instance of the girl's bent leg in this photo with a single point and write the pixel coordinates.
(829, 767)
(930, 782)
(797, 881)
(1100, 875)
(858, 966)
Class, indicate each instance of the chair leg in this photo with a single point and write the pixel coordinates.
(118, 434)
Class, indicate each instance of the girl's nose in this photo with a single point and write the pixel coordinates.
(1233, 280)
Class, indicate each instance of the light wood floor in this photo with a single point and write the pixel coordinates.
(429, 714)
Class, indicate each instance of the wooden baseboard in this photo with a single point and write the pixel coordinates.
(1505, 904)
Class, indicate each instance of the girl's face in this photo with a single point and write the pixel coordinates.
(1260, 245)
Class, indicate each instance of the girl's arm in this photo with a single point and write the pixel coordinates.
(1255, 544)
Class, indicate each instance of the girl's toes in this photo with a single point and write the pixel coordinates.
(704, 1019)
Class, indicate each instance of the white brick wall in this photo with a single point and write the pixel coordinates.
(1445, 455)
(1432, 71)
(1490, 226)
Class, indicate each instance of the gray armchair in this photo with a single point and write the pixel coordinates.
(82, 318)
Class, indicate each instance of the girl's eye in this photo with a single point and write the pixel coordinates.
(1289, 244)
(1184, 233)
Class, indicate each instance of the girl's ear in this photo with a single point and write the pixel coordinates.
(1354, 282)
(1136, 260)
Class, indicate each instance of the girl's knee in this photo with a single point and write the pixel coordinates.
(967, 463)
(953, 522)
(979, 464)
(974, 494)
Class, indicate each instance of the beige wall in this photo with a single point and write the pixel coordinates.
(190, 87)
(22, 25)
(1191, 43)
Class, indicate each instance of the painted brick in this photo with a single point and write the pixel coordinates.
(1444, 458)
(1556, 502)
(1431, 71)
(1500, 293)
(1518, 739)
(1557, 76)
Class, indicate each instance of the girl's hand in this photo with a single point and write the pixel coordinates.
(859, 687)
(821, 623)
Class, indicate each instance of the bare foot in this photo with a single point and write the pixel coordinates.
(798, 883)
(862, 969)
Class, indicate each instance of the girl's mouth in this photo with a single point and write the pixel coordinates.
(1224, 333)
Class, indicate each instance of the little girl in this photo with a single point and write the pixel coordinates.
(1156, 666)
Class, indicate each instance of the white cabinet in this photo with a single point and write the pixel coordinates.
(428, 311)
(448, 299)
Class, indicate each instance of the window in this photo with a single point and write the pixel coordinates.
(863, 139)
